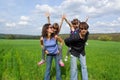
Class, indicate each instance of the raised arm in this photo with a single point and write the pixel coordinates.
(59, 39)
(87, 19)
(47, 14)
(69, 23)
(62, 19)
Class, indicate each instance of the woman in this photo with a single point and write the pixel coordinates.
(74, 28)
(51, 49)
(56, 29)
(77, 44)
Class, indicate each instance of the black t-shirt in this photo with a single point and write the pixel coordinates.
(77, 44)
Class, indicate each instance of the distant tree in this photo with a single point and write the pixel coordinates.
(105, 38)
(10, 36)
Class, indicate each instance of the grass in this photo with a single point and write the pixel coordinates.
(19, 58)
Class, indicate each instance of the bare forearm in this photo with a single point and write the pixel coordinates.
(47, 14)
(48, 19)
(70, 25)
(87, 19)
(60, 40)
(68, 22)
(61, 24)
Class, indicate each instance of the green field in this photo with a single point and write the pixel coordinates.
(18, 61)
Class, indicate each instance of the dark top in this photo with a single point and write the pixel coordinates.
(77, 44)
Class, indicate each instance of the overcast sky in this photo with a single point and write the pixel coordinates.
(28, 16)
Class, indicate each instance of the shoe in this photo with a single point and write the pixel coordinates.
(61, 63)
(86, 43)
(66, 58)
(41, 62)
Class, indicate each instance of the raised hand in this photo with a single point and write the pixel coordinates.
(87, 18)
(47, 14)
(63, 16)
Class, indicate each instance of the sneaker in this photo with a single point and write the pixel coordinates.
(41, 62)
(61, 63)
(86, 43)
(66, 58)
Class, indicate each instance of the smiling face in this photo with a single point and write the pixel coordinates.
(83, 28)
(50, 29)
(75, 23)
(56, 28)
(83, 31)
(47, 30)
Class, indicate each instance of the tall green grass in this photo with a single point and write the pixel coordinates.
(19, 58)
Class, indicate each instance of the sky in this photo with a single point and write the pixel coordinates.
(28, 16)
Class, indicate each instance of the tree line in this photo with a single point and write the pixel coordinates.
(100, 36)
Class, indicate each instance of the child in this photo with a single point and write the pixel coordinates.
(74, 29)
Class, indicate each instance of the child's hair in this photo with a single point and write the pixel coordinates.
(56, 26)
(75, 21)
(83, 25)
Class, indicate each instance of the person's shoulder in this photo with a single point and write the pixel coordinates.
(88, 32)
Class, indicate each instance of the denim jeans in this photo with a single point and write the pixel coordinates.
(60, 52)
(43, 53)
(48, 67)
(74, 71)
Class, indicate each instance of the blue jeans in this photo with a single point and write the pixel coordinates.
(48, 67)
(60, 52)
(43, 53)
(74, 71)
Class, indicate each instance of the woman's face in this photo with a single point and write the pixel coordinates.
(50, 29)
(55, 29)
(83, 31)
